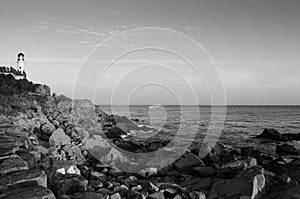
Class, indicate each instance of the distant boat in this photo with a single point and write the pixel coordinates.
(154, 106)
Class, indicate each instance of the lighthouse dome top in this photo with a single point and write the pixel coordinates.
(20, 55)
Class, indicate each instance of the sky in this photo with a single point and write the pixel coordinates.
(249, 47)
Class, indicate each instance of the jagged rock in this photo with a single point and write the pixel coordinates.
(148, 172)
(47, 128)
(59, 138)
(287, 191)
(73, 152)
(88, 195)
(61, 171)
(230, 169)
(211, 148)
(188, 161)
(102, 150)
(73, 170)
(12, 164)
(43, 90)
(250, 152)
(197, 195)
(204, 171)
(166, 185)
(291, 193)
(62, 166)
(28, 157)
(100, 176)
(37, 176)
(116, 196)
(214, 154)
(115, 132)
(250, 183)
(37, 192)
(69, 185)
(83, 134)
(291, 136)
(196, 184)
(13, 143)
(157, 195)
(287, 149)
(293, 169)
(178, 197)
(270, 134)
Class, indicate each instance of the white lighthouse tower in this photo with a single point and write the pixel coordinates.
(21, 63)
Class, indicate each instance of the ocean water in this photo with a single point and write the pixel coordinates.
(240, 126)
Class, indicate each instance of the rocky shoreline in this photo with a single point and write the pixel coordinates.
(53, 147)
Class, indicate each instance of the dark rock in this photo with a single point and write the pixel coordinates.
(37, 192)
(21, 177)
(211, 148)
(188, 161)
(27, 157)
(250, 183)
(68, 185)
(43, 90)
(288, 191)
(196, 184)
(12, 164)
(88, 195)
(294, 169)
(197, 195)
(291, 136)
(204, 171)
(286, 149)
(229, 170)
(250, 152)
(270, 134)
(115, 132)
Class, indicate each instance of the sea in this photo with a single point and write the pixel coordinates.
(233, 126)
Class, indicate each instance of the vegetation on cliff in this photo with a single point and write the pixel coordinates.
(20, 95)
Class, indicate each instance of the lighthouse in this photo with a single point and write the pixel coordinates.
(20, 63)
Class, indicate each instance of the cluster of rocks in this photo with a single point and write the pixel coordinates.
(62, 149)
(282, 148)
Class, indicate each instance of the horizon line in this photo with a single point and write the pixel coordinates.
(200, 105)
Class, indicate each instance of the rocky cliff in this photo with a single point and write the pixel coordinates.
(55, 147)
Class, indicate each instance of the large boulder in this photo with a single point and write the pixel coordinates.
(12, 163)
(250, 183)
(188, 161)
(204, 171)
(287, 149)
(288, 191)
(230, 169)
(291, 136)
(36, 192)
(214, 153)
(196, 184)
(271, 134)
(103, 151)
(59, 138)
(68, 185)
(294, 169)
(37, 176)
